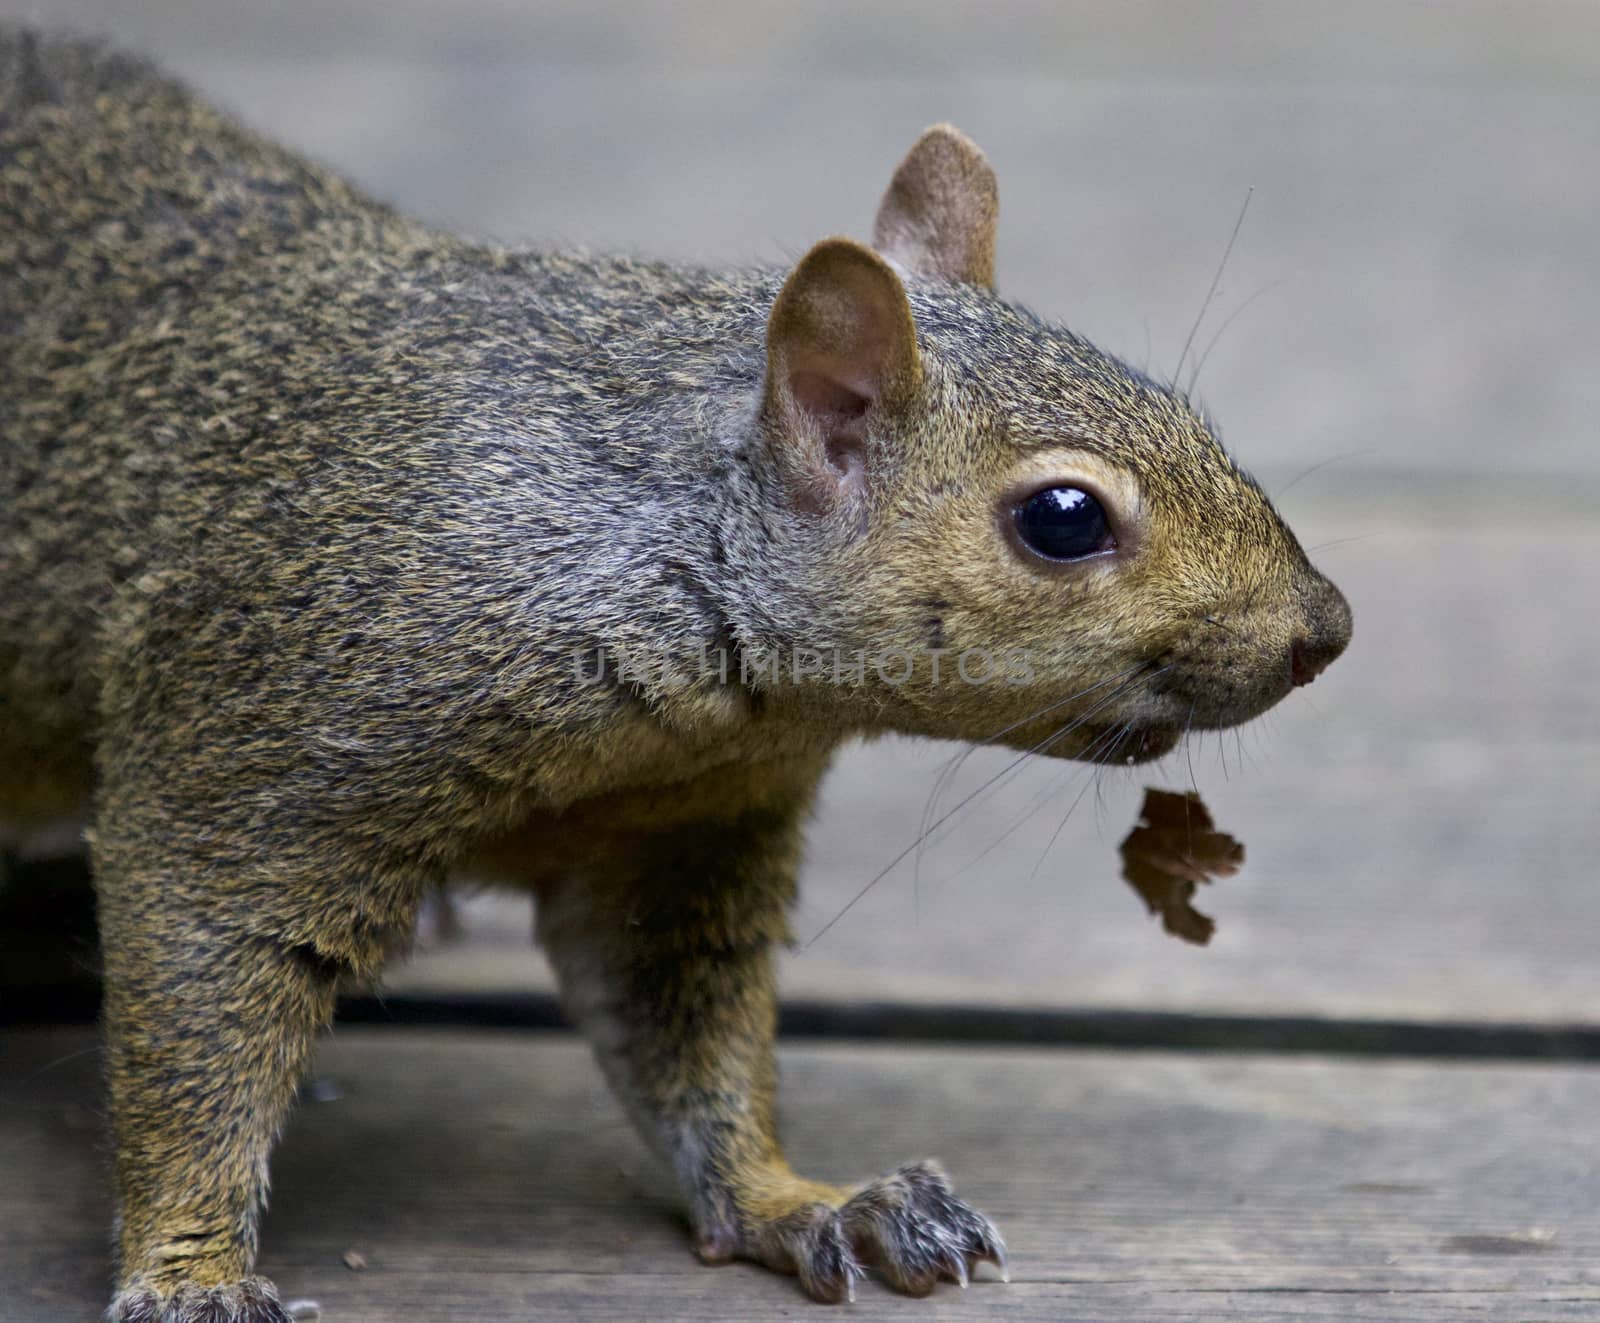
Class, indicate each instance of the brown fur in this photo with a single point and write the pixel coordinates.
(308, 511)
(941, 210)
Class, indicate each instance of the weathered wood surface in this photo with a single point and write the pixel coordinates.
(1421, 824)
(490, 1177)
(1420, 844)
(1433, 311)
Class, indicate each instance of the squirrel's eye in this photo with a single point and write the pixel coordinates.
(1064, 523)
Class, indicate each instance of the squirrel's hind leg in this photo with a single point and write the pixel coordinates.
(665, 953)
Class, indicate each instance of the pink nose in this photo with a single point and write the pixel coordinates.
(1327, 632)
(1308, 659)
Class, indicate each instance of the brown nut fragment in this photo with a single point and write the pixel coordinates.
(1171, 850)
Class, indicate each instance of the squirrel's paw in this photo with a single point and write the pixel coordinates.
(252, 1300)
(912, 1228)
(907, 1225)
(812, 1243)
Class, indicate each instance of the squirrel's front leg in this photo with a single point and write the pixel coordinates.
(207, 1032)
(668, 966)
(212, 1000)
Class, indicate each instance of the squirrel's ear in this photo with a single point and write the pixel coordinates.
(938, 217)
(841, 346)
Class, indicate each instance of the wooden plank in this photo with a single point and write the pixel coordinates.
(1541, 41)
(1416, 308)
(491, 1176)
(1419, 826)
(1420, 845)
(1420, 830)
(1420, 840)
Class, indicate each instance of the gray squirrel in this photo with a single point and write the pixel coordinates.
(308, 510)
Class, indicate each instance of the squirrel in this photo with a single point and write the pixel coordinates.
(330, 547)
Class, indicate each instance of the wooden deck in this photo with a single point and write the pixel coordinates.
(1412, 366)
(487, 1176)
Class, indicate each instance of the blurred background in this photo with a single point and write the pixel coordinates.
(1402, 344)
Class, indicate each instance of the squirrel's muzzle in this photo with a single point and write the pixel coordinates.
(1327, 633)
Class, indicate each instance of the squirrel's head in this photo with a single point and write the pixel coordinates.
(1004, 534)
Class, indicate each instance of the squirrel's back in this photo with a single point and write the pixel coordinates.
(239, 396)
(115, 180)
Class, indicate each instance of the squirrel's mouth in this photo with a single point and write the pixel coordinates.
(1148, 744)
(1112, 744)
(1141, 745)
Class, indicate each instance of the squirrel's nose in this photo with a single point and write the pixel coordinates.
(1327, 633)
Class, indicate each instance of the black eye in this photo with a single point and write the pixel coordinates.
(1064, 523)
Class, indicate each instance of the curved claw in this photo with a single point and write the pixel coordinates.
(1000, 1263)
(908, 1224)
(914, 1229)
(822, 1256)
